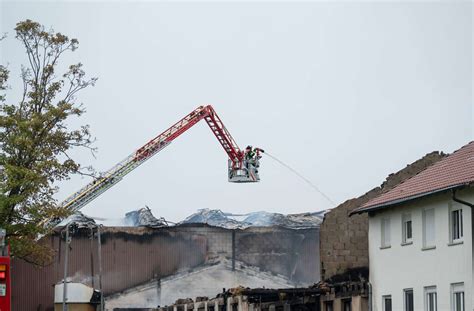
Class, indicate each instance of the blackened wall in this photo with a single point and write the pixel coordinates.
(129, 257)
(132, 256)
(292, 253)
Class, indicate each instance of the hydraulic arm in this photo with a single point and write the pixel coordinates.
(243, 165)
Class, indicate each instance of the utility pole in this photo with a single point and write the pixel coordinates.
(66, 259)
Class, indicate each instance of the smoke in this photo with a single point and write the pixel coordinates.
(79, 277)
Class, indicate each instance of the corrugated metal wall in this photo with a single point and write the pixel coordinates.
(132, 256)
(128, 259)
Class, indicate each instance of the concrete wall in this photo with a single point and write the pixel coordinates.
(409, 266)
(344, 239)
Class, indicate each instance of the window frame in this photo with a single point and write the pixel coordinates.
(329, 305)
(428, 290)
(344, 302)
(426, 244)
(458, 288)
(456, 237)
(405, 292)
(384, 298)
(384, 229)
(407, 219)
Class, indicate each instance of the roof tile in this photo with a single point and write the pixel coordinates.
(457, 169)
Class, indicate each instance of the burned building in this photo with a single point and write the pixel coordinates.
(256, 299)
(168, 258)
(285, 299)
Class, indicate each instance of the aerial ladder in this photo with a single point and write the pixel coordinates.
(242, 164)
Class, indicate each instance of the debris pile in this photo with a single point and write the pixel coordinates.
(144, 218)
(257, 219)
(215, 218)
(78, 219)
(292, 221)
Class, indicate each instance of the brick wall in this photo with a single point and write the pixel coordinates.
(344, 239)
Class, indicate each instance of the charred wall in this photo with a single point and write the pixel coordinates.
(133, 256)
(344, 239)
(129, 258)
(292, 253)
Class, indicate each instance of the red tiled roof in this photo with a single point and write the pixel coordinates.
(455, 170)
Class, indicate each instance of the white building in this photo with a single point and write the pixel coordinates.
(421, 239)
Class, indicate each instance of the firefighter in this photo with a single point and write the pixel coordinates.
(249, 153)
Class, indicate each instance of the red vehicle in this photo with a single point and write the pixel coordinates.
(5, 286)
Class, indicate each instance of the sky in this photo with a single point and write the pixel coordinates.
(344, 92)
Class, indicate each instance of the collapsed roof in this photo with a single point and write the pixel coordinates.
(143, 217)
(257, 219)
(78, 219)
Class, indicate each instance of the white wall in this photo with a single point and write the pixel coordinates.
(399, 267)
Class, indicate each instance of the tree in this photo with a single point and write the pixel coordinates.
(36, 141)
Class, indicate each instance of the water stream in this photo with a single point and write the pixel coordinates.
(306, 180)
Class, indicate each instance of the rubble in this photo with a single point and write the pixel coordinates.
(257, 219)
(144, 218)
(319, 296)
(244, 298)
(78, 219)
(182, 301)
(215, 218)
(291, 221)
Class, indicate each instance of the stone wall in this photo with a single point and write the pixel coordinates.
(344, 239)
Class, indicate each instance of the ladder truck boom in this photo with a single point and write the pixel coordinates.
(242, 167)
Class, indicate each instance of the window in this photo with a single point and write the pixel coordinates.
(431, 299)
(457, 297)
(328, 306)
(346, 305)
(408, 300)
(429, 228)
(387, 303)
(456, 225)
(407, 230)
(385, 229)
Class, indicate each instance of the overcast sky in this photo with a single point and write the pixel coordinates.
(345, 93)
